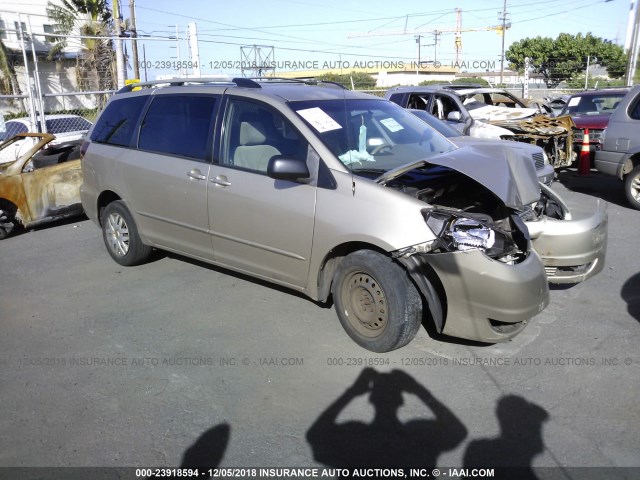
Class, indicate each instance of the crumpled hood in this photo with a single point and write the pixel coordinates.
(505, 171)
(490, 113)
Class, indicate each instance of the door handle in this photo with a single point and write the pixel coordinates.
(221, 180)
(196, 174)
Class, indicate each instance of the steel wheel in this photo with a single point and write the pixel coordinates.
(365, 304)
(117, 233)
(376, 302)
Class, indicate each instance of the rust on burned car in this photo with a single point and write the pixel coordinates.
(41, 185)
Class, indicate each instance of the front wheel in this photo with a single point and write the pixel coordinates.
(376, 302)
(121, 237)
(632, 187)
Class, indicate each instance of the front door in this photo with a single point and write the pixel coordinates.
(258, 224)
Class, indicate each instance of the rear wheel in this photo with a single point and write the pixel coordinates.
(376, 302)
(632, 187)
(121, 237)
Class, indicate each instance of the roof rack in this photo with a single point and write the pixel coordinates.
(253, 82)
(178, 82)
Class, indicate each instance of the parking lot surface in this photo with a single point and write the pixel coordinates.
(178, 363)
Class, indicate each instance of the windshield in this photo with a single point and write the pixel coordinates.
(371, 135)
(592, 104)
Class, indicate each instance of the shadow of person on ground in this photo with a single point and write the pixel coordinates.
(519, 442)
(385, 442)
(630, 293)
(208, 449)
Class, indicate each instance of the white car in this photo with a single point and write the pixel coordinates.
(65, 128)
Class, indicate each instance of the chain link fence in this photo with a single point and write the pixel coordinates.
(55, 99)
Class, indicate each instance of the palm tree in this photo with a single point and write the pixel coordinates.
(8, 82)
(89, 18)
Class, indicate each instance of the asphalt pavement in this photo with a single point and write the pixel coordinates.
(178, 363)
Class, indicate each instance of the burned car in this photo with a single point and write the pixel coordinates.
(42, 185)
(492, 113)
(336, 194)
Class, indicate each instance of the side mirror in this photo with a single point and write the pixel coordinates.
(283, 168)
(454, 116)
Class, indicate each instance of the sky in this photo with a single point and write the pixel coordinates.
(316, 34)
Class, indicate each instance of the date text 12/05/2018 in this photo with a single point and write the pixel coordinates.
(282, 65)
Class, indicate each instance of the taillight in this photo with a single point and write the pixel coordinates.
(83, 148)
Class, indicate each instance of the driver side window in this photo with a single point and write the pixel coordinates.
(253, 134)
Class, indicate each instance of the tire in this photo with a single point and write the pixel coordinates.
(366, 279)
(632, 187)
(7, 219)
(120, 236)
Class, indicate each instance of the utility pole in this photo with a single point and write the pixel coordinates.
(418, 38)
(119, 55)
(503, 16)
(194, 52)
(586, 74)
(525, 84)
(134, 42)
(632, 53)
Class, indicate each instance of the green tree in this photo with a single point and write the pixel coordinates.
(566, 56)
(89, 18)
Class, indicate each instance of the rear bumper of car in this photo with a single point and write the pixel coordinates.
(485, 300)
(571, 250)
(610, 163)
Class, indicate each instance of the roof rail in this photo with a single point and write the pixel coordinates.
(177, 82)
(253, 82)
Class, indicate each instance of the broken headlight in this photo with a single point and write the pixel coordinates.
(460, 231)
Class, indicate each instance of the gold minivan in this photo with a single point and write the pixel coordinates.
(333, 193)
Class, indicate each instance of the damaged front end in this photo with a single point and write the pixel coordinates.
(572, 250)
(480, 277)
(553, 135)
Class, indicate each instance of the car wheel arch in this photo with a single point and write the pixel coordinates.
(629, 164)
(104, 199)
(428, 284)
(332, 260)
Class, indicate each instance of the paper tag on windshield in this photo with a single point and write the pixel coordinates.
(319, 119)
(574, 101)
(391, 124)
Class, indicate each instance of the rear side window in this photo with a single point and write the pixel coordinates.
(117, 123)
(178, 125)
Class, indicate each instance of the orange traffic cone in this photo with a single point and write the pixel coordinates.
(584, 162)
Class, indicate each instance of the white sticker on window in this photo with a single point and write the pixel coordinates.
(574, 101)
(391, 124)
(319, 119)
